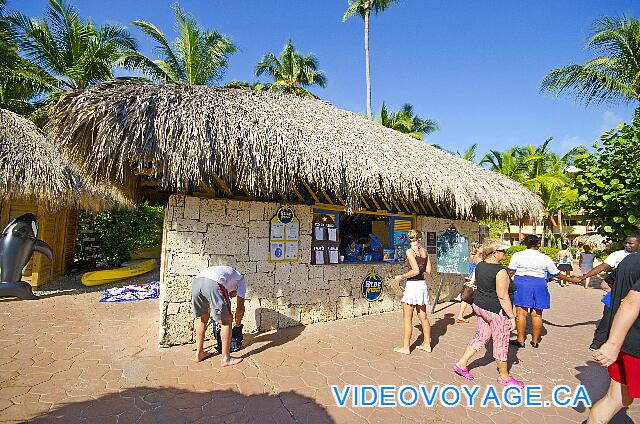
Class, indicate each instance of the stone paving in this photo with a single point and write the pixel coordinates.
(67, 359)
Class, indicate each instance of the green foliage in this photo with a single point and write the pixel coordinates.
(119, 232)
(291, 72)
(405, 121)
(540, 170)
(509, 253)
(496, 226)
(609, 185)
(197, 56)
(612, 76)
(551, 252)
(65, 52)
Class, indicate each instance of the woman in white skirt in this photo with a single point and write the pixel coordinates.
(416, 292)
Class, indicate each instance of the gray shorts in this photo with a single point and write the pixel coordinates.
(208, 294)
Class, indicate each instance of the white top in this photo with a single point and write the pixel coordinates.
(533, 263)
(616, 257)
(228, 277)
(587, 259)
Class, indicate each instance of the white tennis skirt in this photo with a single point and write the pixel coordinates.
(416, 292)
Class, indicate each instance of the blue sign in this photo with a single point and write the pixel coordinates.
(372, 286)
(285, 215)
(453, 252)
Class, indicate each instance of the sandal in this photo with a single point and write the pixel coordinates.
(511, 382)
(462, 321)
(463, 372)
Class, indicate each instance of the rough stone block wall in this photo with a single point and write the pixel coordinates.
(205, 232)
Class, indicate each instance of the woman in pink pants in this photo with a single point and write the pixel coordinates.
(493, 306)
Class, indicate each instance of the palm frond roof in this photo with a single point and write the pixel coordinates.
(34, 168)
(270, 142)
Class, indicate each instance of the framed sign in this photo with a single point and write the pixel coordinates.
(325, 241)
(431, 242)
(284, 236)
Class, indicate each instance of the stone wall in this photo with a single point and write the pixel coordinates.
(205, 232)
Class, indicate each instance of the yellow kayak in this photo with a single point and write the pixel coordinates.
(96, 278)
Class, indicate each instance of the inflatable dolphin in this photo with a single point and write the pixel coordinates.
(17, 244)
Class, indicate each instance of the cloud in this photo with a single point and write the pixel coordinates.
(609, 121)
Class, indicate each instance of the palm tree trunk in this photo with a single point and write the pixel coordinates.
(561, 227)
(366, 57)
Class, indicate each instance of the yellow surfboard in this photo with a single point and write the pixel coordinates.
(95, 278)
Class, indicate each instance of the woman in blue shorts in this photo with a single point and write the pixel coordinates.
(532, 294)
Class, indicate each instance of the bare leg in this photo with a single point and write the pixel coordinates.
(615, 399)
(426, 328)
(466, 357)
(201, 326)
(586, 282)
(521, 322)
(502, 370)
(407, 317)
(536, 324)
(463, 308)
(225, 335)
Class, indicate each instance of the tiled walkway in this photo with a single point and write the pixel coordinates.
(68, 358)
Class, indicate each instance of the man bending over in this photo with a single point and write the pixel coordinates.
(211, 291)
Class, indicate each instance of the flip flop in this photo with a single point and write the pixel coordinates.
(462, 321)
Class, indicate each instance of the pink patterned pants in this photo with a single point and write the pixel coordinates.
(491, 326)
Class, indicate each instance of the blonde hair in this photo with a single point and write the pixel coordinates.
(491, 245)
(415, 234)
(473, 250)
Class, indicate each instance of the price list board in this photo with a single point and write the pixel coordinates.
(325, 243)
(453, 252)
(284, 236)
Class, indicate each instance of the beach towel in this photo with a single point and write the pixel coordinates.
(132, 293)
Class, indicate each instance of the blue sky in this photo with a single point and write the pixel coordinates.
(474, 67)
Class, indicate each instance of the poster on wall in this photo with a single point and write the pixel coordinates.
(431, 242)
(284, 236)
(325, 241)
(372, 286)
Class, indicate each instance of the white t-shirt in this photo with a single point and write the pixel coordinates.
(532, 263)
(616, 257)
(228, 277)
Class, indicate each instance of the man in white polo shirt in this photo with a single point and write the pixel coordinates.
(211, 291)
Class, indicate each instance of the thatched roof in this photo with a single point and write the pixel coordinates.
(32, 167)
(271, 142)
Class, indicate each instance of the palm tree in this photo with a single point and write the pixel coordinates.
(65, 52)
(614, 75)
(364, 8)
(540, 170)
(470, 153)
(406, 122)
(291, 72)
(197, 57)
(15, 91)
(506, 163)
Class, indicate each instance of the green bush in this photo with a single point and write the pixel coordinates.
(119, 232)
(551, 252)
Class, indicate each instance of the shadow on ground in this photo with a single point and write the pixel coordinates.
(256, 343)
(595, 380)
(172, 405)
